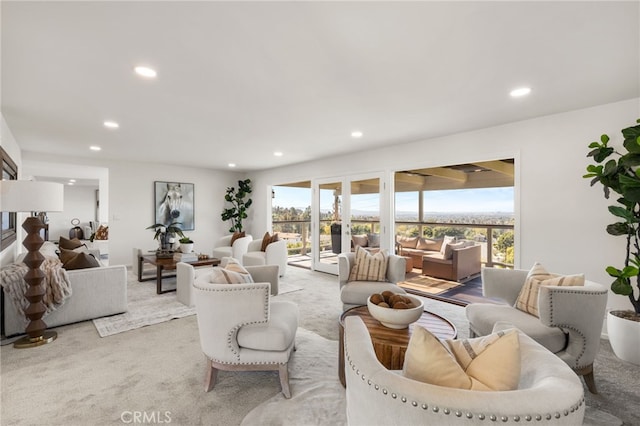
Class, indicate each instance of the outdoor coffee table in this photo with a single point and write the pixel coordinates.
(167, 264)
(391, 344)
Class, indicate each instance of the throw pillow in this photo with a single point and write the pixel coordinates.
(65, 243)
(445, 242)
(427, 244)
(77, 260)
(230, 271)
(369, 267)
(235, 236)
(527, 300)
(102, 233)
(373, 240)
(268, 239)
(489, 363)
(360, 240)
(407, 242)
(448, 251)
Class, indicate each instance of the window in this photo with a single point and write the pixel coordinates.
(8, 220)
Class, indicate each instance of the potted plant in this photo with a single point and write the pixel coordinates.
(186, 245)
(238, 210)
(165, 234)
(620, 172)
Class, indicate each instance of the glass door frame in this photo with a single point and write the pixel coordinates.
(346, 181)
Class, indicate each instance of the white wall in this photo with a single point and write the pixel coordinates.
(561, 220)
(131, 198)
(131, 201)
(80, 203)
(8, 143)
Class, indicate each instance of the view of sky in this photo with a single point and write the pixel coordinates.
(446, 201)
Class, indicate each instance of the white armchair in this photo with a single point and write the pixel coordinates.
(548, 393)
(570, 320)
(223, 248)
(274, 254)
(186, 275)
(356, 293)
(258, 336)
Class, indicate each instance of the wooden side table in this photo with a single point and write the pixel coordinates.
(391, 344)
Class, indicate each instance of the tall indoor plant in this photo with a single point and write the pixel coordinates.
(620, 172)
(239, 204)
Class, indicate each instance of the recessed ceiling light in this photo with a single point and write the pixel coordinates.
(70, 183)
(521, 91)
(72, 180)
(95, 148)
(232, 164)
(356, 134)
(111, 124)
(278, 154)
(145, 72)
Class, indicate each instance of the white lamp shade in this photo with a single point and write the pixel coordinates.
(31, 196)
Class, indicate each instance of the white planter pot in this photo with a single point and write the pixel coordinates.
(186, 247)
(624, 336)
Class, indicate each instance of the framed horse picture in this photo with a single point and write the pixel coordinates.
(174, 203)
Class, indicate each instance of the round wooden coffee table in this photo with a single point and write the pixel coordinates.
(391, 344)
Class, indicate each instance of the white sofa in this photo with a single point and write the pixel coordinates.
(96, 292)
(549, 393)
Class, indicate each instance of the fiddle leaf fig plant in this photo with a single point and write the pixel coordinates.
(620, 172)
(238, 210)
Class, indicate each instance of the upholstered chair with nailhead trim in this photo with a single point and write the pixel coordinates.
(548, 393)
(570, 322)
(241, 328)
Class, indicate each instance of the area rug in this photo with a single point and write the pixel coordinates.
(317, 397)
(428, 285)
(145, 307)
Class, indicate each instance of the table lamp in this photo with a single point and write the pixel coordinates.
(33, 196)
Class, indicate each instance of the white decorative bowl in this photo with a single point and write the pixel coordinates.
(397, 318)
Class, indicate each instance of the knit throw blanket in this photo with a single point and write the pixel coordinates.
(56, 283)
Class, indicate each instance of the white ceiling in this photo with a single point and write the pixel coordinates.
(240, 80)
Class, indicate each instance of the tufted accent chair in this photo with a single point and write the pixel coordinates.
(548, 393)
(356, 293)
(570, 320)
(241, 328)
(223, 248)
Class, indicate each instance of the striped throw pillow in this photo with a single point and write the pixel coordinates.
(232, 273)
(369, 267)
(527, 300)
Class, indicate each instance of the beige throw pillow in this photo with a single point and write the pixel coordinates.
(232, 272)
(489, 363)
(369, 267)
(445, 242)
(527, 300)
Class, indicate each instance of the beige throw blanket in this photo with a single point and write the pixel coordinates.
(56, 282)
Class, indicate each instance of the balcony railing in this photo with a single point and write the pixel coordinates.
(298, 233)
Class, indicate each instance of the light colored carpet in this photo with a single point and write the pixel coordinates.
(145, 307)
(317, 397)
(82, 379)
